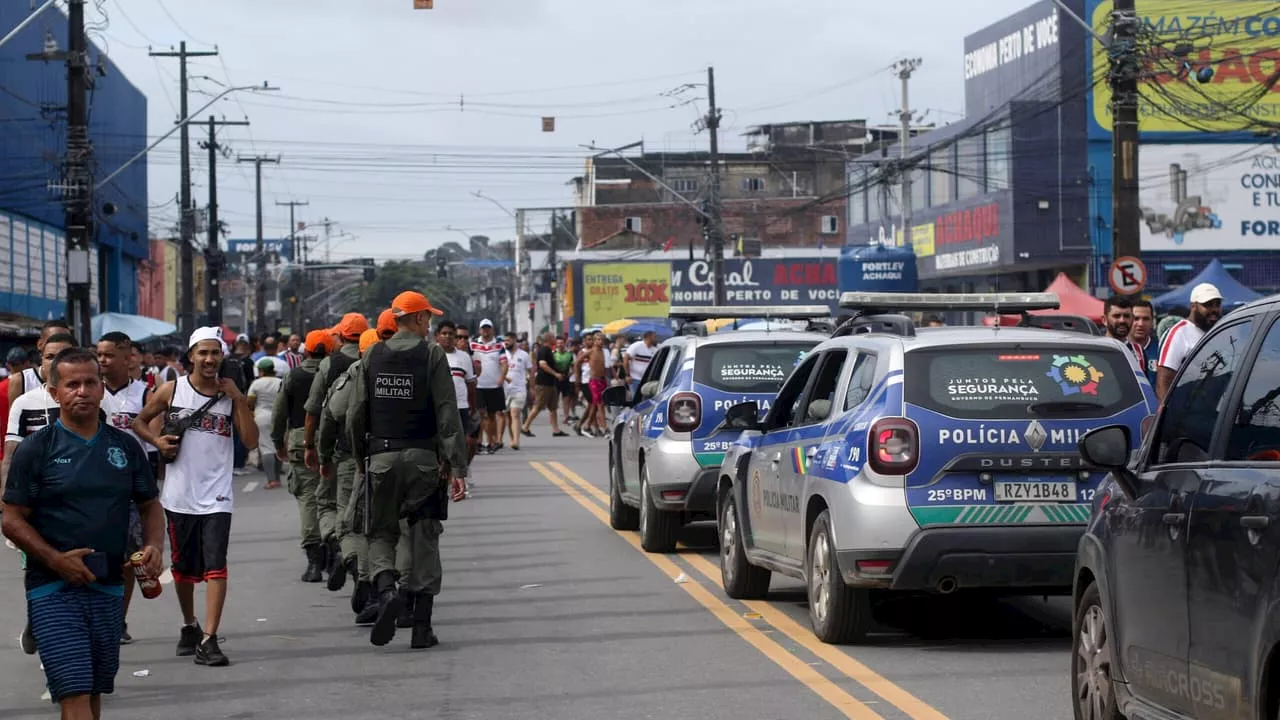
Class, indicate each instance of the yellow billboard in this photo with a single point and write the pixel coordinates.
(613, 291)
(1239, 41)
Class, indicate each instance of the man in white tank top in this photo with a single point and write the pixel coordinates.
(199, 410)
(122, 401)
(31, 378)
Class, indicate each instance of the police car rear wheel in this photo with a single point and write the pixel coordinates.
(659, 529)
(621, 515)
(838, 613)
(741, 579)
(1091, 661)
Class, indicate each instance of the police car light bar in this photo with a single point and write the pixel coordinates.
(1002, 302)
(793, 312)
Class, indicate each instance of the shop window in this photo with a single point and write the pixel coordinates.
(919, 189)
(942, 175)
(999, 153)
(969, 167)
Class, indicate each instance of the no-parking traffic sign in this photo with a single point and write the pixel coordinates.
(1128, 275)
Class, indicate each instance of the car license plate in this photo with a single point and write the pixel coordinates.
(1035, 491)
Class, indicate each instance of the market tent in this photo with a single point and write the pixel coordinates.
(638, 326)
(1233, 293)
(139, 328)
(1072, 300)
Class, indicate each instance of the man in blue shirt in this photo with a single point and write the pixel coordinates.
(66, 504)
(1143, 335)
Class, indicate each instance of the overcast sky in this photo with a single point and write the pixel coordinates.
(388, 119)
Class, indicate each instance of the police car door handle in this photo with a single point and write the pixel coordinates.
(777, 458)
(812, 451)
(1255, 522)
(1173, 518)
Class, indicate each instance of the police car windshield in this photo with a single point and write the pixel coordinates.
(757, 367)
(987, 382)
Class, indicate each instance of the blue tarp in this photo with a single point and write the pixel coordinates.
(1233, 292)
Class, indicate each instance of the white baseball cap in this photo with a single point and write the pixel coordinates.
(1205, 293)
(486, 323)
(206, 333)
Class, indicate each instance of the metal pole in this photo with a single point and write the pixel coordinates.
(213, 257)
(713, 193)
(79, 180)
(1126, 215)
(905, 68)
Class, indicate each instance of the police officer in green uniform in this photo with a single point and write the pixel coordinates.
(288, 417)
(348, 331)
(404, 419)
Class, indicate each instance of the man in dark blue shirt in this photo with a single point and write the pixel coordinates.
(66, 504)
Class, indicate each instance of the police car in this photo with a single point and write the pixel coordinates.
(931, 459)
(666, 444)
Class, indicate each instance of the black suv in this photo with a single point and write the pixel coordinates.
(1177, 598)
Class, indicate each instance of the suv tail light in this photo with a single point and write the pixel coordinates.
(893, 446)
(684, 412)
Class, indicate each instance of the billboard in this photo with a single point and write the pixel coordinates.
(613, 291)
(967, 237)
(1007, 59)
(1209, 197)
(1239, 40)
(280, 247)
(756, 281)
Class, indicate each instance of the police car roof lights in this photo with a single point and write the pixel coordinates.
(774, 312)
(996, 302)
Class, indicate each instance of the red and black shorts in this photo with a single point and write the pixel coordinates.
(198, 544)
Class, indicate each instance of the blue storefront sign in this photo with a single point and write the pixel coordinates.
(758, 281)
(281, 247)
(877, 268)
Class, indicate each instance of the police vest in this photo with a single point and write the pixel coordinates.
(297, 387)
(338, 364)
(400, 403)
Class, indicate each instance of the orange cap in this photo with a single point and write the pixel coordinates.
(387, 321)
(317, 339)
(367, 339)
(409, 302)
(351, 325)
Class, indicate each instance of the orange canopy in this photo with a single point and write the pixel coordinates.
(1072, 300)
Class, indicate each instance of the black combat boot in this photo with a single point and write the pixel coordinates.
(315, 561)
(389, 608)
(338, 567)
(422, 636)
(369, 613)
(360, 592)
(405, 618)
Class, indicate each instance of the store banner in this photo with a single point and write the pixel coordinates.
(613, 291)
(773, 282)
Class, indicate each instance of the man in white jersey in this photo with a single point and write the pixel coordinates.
(516, 390)
(33, 377)
(491, 374)
(637, 357)
(1206, 309)
(34, 410)
(122, 400)
(199, 410)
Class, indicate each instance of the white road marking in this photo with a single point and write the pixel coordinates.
(250, 486)
(166, 577)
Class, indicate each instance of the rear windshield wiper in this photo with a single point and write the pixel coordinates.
(1061, 406)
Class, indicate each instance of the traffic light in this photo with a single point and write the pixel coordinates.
(442, 267)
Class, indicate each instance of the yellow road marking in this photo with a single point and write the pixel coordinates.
(823, 687)
(906, 702)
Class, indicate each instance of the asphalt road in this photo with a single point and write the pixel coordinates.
(547, 613)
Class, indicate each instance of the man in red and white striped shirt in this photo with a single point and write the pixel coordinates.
(1206, 309)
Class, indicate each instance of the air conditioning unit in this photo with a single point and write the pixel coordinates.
(633, 224)
(830, 224)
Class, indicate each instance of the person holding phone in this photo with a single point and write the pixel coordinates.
(66, 505)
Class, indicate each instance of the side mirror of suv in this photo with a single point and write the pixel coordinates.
(743, 416)
(1107, 448)
(615, 396)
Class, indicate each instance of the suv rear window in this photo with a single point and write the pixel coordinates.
(758, 367)
(985, 382)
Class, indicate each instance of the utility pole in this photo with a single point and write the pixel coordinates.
(716, 229)
(1126, 216)
(214, 259)
(260, 295)
(295, 316)
(186, 224)
(905, 68)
